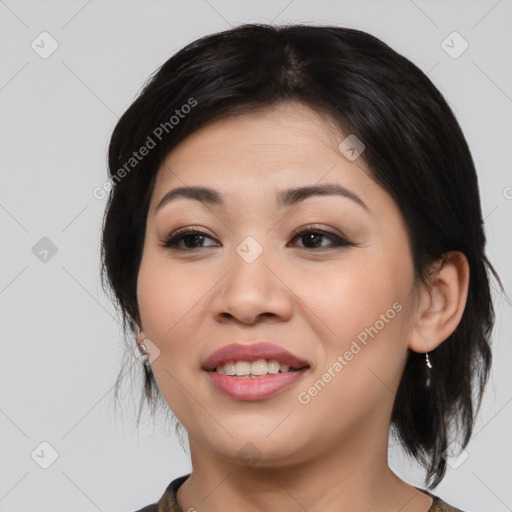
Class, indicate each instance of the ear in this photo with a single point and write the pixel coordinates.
(137, 321)
(441, 304)
(139, 332)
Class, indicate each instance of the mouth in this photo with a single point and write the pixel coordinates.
(255, 359)
(254, 387)
(258, 368)
(253, 372)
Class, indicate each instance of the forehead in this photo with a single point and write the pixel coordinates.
(272, 129)
(263, 151)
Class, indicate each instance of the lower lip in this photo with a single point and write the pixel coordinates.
(253, 388)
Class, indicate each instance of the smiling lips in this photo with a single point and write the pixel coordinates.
(253, 372)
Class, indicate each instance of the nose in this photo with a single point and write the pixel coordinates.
(252, 291)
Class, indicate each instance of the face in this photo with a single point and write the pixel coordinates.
(328, 278)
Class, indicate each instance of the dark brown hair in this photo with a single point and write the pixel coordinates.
(415, 150)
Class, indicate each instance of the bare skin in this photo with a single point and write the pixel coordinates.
(311, 297)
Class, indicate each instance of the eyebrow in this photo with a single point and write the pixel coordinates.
(287, 197)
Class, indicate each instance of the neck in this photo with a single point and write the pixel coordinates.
(344, 479)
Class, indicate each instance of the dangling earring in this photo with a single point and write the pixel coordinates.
(140, 345)
(429, 371)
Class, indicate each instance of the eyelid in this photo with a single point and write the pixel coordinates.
(316, 227)
(338, 240)
(182, 232)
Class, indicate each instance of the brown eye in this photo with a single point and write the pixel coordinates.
(192, 239)
(311, 237)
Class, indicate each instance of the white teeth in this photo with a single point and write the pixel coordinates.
(229, 368)
(243, 368)
(256, 368)
(273, 366)
(259, 367)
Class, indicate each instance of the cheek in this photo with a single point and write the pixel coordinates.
(352, 296)
(364, 334)
(167, 297)
(363, 307)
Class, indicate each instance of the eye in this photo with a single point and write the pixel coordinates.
(312, 235)
(193, 236)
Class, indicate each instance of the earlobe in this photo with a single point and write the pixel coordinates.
(441, 304)
(139, 334)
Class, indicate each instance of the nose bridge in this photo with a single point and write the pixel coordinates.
(251, 287)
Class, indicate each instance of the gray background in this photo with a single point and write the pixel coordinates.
(61, 340)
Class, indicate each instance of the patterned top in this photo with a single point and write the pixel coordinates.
(169, 503)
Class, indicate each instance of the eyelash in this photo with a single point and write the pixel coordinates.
(172, 240)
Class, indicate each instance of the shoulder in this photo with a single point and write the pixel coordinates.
(168, 501)
(438, 505)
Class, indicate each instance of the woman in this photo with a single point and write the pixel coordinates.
(294, 237)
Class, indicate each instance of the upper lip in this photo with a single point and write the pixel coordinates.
(253, 352)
